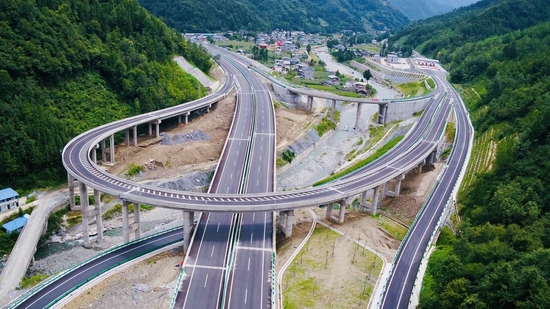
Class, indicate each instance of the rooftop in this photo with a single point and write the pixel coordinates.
(8, 193)
(15, 224)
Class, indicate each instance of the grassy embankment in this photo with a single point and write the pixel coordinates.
(326, 253)
(380, 152)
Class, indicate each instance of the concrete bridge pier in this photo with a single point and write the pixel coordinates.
(419, 168)
(134, 226)
(208, 108)
(358, 116)
(72, 184)
(84, 210)
(309, 103)
(94, 154)
(285, 222)
(125, 224)
(97, 210)
(333, 110)
(342, 211)
(432, 157)
(188, 217)
(382, 113)
(103, 152)
(186, 118)
(397, 190)
(329, 211)
(157, 128)
(135, 136)
(112, 148)
(371, 207)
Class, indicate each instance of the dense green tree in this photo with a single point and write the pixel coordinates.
(67, 66)
(314, 16)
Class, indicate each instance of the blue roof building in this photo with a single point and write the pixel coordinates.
(9, 199)
(16, 225)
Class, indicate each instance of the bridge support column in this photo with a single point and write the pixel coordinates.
(432, 158)
(329, 210)
(372, 207)
(157, 129)
(103, 152)
(188, 217)
(135, 136)
(363, 204)
(358, 116)
(187, 117)
(94, 154)
(398, 181)
(397, 190)
(289, 216)
(382, 110)
(112, 148)
(125, 222)
(98, 219)
(342, 211)
(136, 226)
(72, 184)
(208, 108)
(84, 211)
(309, 103)
(419, 168)
(179, 119)
(285, 222)
(333, 110)
(150, 129)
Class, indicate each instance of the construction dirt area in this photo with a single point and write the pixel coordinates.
(151, 282)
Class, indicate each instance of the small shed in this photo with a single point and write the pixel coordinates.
(333, 80)
(16, 225)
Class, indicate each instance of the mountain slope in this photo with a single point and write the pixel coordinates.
(420, 9)
(472, 23)
(327, 16)
(498, 53)
(69, 65)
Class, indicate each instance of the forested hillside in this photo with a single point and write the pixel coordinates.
(436, 36)
(324, 16)
(500, 256)
(69, 65)
(420, 9)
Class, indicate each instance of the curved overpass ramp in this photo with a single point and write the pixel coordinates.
(412, 151)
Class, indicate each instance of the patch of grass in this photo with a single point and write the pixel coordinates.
(31, 199)
(29, 282)
(397, 231)
(280, 162)
(133, 170)
(450, 131)
(380, 152)
(303, 282)
(324, 126)
(117, 210)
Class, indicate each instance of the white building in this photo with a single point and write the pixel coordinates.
(392, 58)
(9, 199)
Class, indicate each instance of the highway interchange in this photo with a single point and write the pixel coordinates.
(409, 153)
